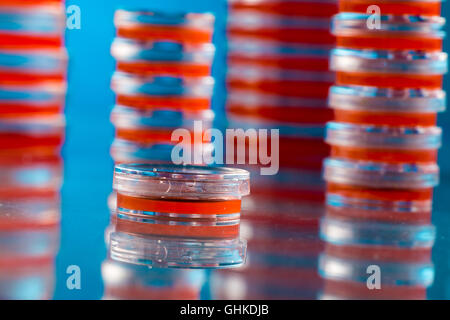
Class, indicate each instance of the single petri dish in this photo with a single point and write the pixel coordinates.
(32, 27)
(177, 252)
(163, 57)
(148, 25)
(135, 119)
(163, 92)
(394, 7)
(379, 175)
(262, 26)
(26, 66)
(388, 69)
(386, 106)
(276, 54)
(297, 8)
(394, 274)
(380, 143)
(278, 108)
(289, 83)
(22, 101)
(401, 32)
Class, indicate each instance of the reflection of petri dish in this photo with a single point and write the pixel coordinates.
(394, 33)
(128, 281)
(393, 274)
(147, 25)
(177, 252)
(371, 234)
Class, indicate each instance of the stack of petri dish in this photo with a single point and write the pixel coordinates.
(389, 67)
(33, 64)
(172, 216)
(278, 73)
(162, 82)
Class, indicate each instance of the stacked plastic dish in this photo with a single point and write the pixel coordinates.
(170, 216)
(162, 81)
(32, 92)
(278, 73)
(384, 142)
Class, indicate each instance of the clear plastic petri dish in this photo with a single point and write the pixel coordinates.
(394, 274)
(289, 83)
(180, 201)
(24, 101)
(32, 65)
(389, 69)
(135, 119)
(163, 57)
(395, 32)
(380, 175)
(394, 7)
(149, 92)
(384, 106)
(276, 54)
(278, 108)
(32, 27)
(263, 26)
(148, 25)
(381, 143)
(177, 252)
(31, 134)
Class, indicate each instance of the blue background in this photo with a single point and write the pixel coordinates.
(88, 166)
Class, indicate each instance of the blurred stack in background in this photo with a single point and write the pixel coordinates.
(278, 78)
(162, 81)
(389, 67)
(32, 94)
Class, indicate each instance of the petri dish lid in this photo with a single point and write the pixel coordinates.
(381, 61)
(385, 99)
(170, 51)
(177, 252)
(181, 182)
(381, 175)
(145, 17)
(344, 134)
(350, 23)
(370, 233)
(38, 126)
(395, 274)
